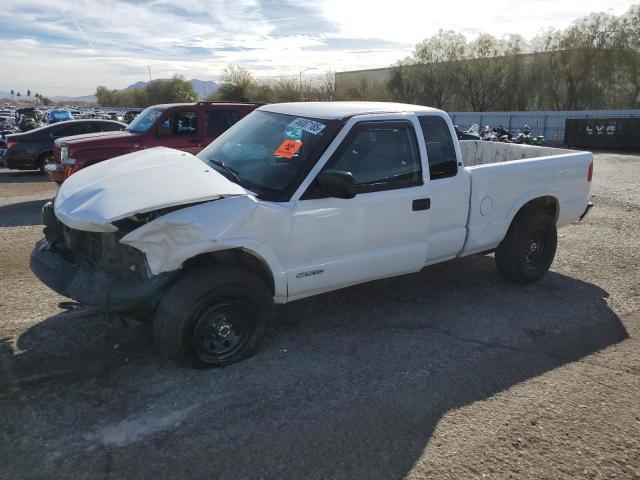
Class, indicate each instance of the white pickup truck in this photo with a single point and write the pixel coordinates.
(296, 200)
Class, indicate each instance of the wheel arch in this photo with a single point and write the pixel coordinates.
(42, 154)
(547, 202)
(241, 257)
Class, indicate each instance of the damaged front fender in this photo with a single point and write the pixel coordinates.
(234, 222)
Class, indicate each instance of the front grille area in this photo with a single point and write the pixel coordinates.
(84, 246)
(98, 251)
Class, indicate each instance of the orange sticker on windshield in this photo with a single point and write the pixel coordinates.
(287, 149)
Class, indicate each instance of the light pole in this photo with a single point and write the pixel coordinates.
(301, 72)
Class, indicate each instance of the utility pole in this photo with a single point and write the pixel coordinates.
(301, 72)
(149, 68)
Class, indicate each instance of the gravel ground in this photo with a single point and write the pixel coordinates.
(450, 373)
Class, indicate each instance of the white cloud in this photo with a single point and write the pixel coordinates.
(70, 46)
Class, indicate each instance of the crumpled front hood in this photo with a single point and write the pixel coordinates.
(139, 182)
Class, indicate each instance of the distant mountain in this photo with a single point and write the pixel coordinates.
(84, 98)
(140, 84)
(203, 88)
(61, 98)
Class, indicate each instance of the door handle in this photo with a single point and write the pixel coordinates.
(421, 204)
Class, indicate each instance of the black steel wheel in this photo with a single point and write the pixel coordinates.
(529, 247)
(213, 316)
(222, 329)
(534, 248)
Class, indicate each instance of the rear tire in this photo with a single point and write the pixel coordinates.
(529, 247)
(213, 316)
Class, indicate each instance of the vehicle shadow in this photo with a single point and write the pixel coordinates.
(22, 214)
(350, 384)
(22, 176)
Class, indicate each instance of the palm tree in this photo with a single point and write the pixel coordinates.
(29, 94)
(18, 94)
(12, 94)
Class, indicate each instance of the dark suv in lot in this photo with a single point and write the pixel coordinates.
(184, 126)
(32, 150)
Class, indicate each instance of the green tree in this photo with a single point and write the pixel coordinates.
(174, 90)
(237, 83)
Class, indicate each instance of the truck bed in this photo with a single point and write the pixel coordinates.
(481, 152)
(504, 177)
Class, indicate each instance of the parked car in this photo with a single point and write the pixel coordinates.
(34, 149)
(58, 115)
(185, 126)
(129, 115)
(116, 116)
(293, 201)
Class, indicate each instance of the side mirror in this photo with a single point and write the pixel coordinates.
(337, 184)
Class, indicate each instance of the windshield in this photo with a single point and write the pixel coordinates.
(143, 122)
(267, 151)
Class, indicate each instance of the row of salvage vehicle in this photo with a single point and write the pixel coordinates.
(63, 148)
(293, 200)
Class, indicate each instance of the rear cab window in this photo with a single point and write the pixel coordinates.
(219, 120)
(443, 162)
(109, 127)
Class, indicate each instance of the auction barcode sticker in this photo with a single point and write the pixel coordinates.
(307, 125)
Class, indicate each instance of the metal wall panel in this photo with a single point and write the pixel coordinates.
(548, 123)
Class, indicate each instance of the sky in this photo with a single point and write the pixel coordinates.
(68, 47)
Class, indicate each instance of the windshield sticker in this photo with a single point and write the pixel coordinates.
(308, 125)
(287, 149)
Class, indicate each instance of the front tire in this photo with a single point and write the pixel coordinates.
(43, 159)
(213, 317)
(529, 247)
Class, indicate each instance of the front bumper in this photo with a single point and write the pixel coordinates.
(57, 172)
(100, 290)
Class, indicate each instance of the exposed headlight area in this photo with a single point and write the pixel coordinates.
(95, 250)
(64, 156)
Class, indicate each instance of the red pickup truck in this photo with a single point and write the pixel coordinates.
(184, 126)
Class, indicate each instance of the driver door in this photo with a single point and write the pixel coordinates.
(380, 232)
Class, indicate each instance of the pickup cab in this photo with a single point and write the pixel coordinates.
(184, 126)
(296, 200)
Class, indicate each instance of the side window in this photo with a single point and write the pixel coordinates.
(380, 156)
(220, 120)
(180, 123)
(109, 127)
(68, 130)
(440, 149)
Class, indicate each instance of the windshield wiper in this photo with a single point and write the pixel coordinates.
(229, 169)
